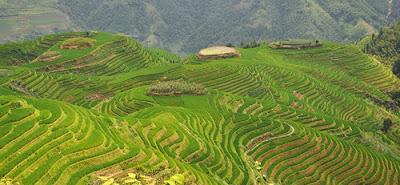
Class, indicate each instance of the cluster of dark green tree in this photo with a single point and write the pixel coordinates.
(185, 26)
(386, 45)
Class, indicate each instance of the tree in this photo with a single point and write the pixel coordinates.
(396, 68)
(230, 45)
(387, 124)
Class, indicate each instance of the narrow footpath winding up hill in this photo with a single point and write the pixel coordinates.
(303, 116)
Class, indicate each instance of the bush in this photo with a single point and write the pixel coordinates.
(176, 88)
(387, 124)
(396, 68)
(230, 45)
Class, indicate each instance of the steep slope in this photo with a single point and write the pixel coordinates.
(31, 18)
(186, 26)
(386, 45)
(306, 116)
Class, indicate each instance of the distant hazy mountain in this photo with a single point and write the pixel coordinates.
(187, 25)
(30, 18)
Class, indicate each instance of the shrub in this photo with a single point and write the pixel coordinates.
(230, 45)
(387, 124)
(176, 88)
(252, 44)
(396, 68)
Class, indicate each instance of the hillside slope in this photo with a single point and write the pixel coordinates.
(21, 19)
(386, 46)
(185, 26)
(308, 116)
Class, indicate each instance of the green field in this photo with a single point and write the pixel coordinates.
(303, 116)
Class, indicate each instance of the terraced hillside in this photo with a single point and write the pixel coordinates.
(310, 116)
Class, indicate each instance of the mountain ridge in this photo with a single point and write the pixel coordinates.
(186, 26)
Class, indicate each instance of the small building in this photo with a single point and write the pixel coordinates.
(217, 52)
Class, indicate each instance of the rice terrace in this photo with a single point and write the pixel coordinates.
(106, 108)
(270, 116)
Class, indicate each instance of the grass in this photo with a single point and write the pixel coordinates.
(100, 38)
(300, 113)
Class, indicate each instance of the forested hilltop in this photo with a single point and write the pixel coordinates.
(386, 46)
(184, 26)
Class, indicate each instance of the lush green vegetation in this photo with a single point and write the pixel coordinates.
(185, 27)
(386, 46)
(28, 19)
(192, 25)
(309, 116)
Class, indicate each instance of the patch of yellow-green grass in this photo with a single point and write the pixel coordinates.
(3, 72)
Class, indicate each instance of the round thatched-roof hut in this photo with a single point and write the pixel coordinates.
(217, 52)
